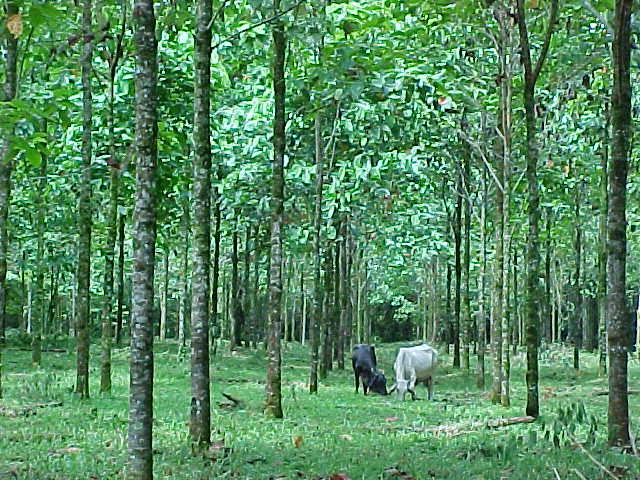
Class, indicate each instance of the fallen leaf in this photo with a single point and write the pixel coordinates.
(391, 419)
(339, 476)
(297, 441)
(346, 437)
(65, 451)
(394, 472)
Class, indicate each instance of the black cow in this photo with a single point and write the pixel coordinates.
(363, 360)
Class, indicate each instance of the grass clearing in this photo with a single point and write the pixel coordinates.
(334, 432)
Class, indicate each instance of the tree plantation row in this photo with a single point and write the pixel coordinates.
(244, 174)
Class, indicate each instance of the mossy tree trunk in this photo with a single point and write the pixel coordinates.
(533, 288)
(619, 328)
(200, 421)
(316, 316)
(112, 216)
(84, 210)
(140, 446)
(273, 406)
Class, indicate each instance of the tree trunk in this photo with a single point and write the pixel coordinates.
(326, 325)
(37, 319)
(447, 331)
(84, 211)
(482, 322)
(200, 422)
(141, 369)
(316, 316)
(112, 219)
(619, 331)
(164, 295)
(253, 336)
(6, 161)
(435, 300)
(216, 330)
(602, 247)
(246, 296)
(546, 325)
(457, 235)
(184, 300)
(273, 389)
(236, 304)
(120, 293)
(534, 294)
(344, 297)
(576, 316)
(466, 297)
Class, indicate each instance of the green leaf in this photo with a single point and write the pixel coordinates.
(33, 156)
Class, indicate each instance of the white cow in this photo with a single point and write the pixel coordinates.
(413, 365)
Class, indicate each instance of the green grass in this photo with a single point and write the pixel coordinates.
(341, 432)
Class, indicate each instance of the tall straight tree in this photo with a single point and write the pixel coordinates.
(6, 164)
(317, 286)
(457, 234)
(84, 210)
(602, 246)
(141, 368)
(533, 287)
(112, 217)
(273, 406)
(200, 425)
(466, 297)
(619, 331)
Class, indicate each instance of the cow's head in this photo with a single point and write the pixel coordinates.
(401, 388)
(378, 383)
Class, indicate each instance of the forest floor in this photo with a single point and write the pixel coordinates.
(336, 432)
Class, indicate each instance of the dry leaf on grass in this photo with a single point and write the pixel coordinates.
(297, 441)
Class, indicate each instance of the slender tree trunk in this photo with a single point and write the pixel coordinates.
(216, 331)
(164, 295)
(515, 318)
(236, 308)
(546, 320)
(120, 293)
(336, 338)
(246, 297)
(200, 423)
(84, 211)
(619, 328)
(184, 300)
(434, 303)
(327, 346)
(273, 388)
(141, 369)
(318, 293)
(253, 337)
(448, 331)
(457, 234)
(112, 219)
(482, 322)
(534, 293)
(466, 297)
(576, 317)
(602, 246)
(37, 319)
(344, 298)
(6, 162)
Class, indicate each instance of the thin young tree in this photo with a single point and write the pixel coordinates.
(200, 424)
(112, 216)
(317, 286)
(602, 246)
(273, 406)
(141, 368)
(84, 210)
(619, 331)
(533, 287)
(6, 164)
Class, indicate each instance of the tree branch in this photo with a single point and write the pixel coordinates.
(553, 17)
(256, 25)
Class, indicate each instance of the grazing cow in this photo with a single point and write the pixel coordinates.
(413, 365)
(363, 360)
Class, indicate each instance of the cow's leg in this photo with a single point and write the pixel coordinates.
(412, 385)
(365, 385)
(429, 384)
(357, 375)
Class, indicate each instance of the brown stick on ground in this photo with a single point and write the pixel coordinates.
(606, 392)
(26, 410)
